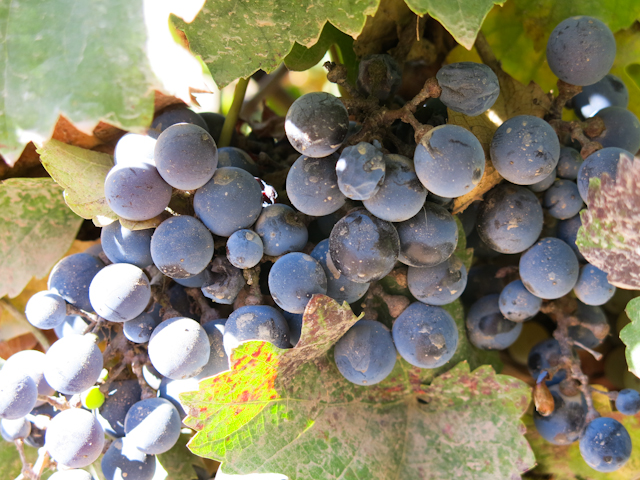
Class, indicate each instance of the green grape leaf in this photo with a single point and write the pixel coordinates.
(301, 58)
(462, 18)
(36, 229)
(292, 412)
(630, 336)
(179, 462)
(237, 39)
(518, 34)
(85, 60)
(608, 237)
(81, 173)
(566, 463)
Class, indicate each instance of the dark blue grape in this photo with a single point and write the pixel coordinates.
(223, 281)
(622, 129)
(608, 92)
(544, 184)
(231, 200)
(180, 301)
(568, 231)
(360, 171)
(525, 149)
(544, 357)
(602, 161)
(72, 325)
(566, 422)
(244, 249)
(71, 277)
(316, 124)
(281, 230)
(195, 281)
(136, 192)
(181, 247)
(120, 292)
(74, 438)
(234, 157)
(509, 219)
(569, 163)
(133, 148)
(255, 322)
(123, 461)
(593, 327)
(32, 363)
(517, 303)
(379, 75)
(365, 355)
(312, 185)
(549, 269)
(73, 364)
(18, 393)
(628, 401)
(432, 112)
(294, 320)
(401, 195)
(179, 348)
(215, 122)
(562, 200)
(119, 399)
(605, 445)
(139, 329)
(468, 87)
(46, 310)
(429, 238)
(425, 336)
(593, 288)
(218, 359)
(339, 287)
(186, 156)
(12, 430)
(293, 279)
(172, 116)
(363, 247)
(438, 285)
(487, 328)
(122, 245)
(581, 50)
(152, 425)
(449, 161)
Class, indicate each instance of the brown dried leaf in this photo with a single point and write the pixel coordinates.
(543, 399)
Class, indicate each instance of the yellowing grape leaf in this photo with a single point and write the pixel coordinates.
(292, 412)
(81, 173)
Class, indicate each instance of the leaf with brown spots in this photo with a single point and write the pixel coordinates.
(292, 412)
(609, 237)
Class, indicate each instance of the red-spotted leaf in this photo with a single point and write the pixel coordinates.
(292, 412)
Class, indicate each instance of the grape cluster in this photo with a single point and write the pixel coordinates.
(180, 298)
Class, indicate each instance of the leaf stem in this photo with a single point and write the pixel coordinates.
(234, 112)
(336, 57)
(18, 315)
